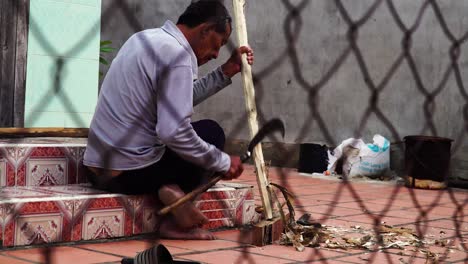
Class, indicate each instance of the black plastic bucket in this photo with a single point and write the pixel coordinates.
(427, 158)
(312, 158)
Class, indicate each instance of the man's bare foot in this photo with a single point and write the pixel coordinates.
(169, 229)
(186, 215)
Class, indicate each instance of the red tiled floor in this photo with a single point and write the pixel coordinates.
(10, 260)
(444, 211)
(233, 256)
(63, 255)
(195, 245)
(448, 224)
(403, 202)
(380, 257)
(444, 254)
(331, 203)
(121, 248)
(329, 210)
(239, 236)
(289, 252)
(423, 230)
(366, 207)
(343, 223)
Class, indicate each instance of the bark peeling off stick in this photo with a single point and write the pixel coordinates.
(249, 93)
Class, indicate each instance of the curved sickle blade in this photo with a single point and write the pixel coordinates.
(271, 126)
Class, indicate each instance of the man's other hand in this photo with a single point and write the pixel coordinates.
(235, 170)
(234, 64)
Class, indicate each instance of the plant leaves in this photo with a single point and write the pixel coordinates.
(103, 61)
(106, 42)
(107, 49)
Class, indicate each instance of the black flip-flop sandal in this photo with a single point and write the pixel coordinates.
(155, 255)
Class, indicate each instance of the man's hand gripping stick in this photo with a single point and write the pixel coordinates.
(270, 127)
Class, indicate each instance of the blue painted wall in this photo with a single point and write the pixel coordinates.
(63, 63)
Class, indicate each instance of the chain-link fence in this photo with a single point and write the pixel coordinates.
(351, 18)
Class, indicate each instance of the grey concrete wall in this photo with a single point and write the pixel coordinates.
(318, 85)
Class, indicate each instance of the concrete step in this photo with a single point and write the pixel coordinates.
(31, 215)
(44, 198)
(42, 161)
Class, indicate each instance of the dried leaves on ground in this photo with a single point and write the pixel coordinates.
(305, 232)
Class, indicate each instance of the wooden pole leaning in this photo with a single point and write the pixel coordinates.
(249, 93)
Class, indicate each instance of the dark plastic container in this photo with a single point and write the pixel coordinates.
(427, 158)
(312, 158)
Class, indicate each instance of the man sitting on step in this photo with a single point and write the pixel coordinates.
(142, 139)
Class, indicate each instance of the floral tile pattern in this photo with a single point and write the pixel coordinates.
(99, 218)
(3, 174)
(46, 172)
(223, 205)
(32, 223)
(40, 164)
(145, 217)
(32, 215)
(47, 166)
(45, 197)
(10, 157)
(81, 169)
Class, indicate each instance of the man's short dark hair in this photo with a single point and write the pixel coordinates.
(206, 11)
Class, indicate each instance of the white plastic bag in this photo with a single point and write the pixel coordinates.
(361, 159)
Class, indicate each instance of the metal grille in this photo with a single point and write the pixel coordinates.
(293, 29)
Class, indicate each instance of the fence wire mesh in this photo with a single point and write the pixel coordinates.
(293, 29)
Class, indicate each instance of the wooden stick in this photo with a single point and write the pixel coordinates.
(14, 132)
(191, 195)
(249, 93)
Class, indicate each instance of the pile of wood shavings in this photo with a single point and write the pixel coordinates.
(356, 237)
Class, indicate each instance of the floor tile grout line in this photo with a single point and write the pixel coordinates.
(206, 251)
(321, 259)
(238, 249)
(101, 252)
(18, 258)
(258, 254)
(326, 259)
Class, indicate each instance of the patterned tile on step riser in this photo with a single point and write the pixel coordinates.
(33, 223)
(237, 208)
(81, 169)
(99, 218)
(7, 167)
(216, 205)
(219, 223)
(235, 194)
(241, 201)
(47, 166)
(220, 214)
(246, 214)
(147, 221)
(41, 166)
(145, 218)
(243, 214)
